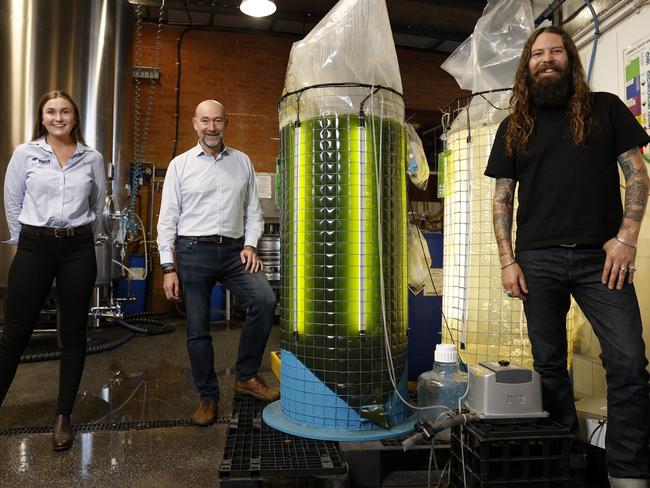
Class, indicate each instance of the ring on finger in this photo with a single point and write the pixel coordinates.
(508, 293)
(623, 269)
(632, 268)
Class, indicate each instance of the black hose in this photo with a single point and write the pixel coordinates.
(105, 346)
(144, 314)
(150, 327)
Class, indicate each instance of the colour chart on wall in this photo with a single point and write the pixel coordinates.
(637, 79)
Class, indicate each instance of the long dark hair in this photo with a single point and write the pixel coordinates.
(40, 130)
(521, 123)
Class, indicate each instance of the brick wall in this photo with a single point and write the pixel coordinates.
(246, 73)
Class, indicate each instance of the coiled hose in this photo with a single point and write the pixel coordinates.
(105, 346)
(147, 326)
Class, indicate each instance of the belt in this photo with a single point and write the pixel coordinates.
(215, 239)
(581, 246)
(57, 232)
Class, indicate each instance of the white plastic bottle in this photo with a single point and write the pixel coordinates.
(443, 385)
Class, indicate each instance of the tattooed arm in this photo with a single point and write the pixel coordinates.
(622, 254)
(512, 278)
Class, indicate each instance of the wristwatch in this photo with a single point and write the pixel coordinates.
(168, 268)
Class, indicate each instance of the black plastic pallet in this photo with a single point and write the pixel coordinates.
(254, 451)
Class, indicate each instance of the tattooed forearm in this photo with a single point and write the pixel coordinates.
(636, 198)
(502, 207)
(637, 184)
(625, 161)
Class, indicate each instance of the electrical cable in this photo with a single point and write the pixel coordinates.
(601, 423)
(179, 44)
(125, 268)
(128, 399)
(141, 125)
(446, 467)
(431, 456)
(145, 244)
(389, 356)
(435, 290)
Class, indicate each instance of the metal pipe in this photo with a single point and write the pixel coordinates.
(152, 191)
(623, 7)
(548, 11)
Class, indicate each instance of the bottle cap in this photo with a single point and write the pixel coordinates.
(445, 353)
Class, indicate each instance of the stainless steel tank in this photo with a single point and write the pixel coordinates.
(80, 46)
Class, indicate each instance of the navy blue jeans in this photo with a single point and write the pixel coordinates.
(201, 265)
(552, 275)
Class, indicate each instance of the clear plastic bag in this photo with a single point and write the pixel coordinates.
(419, 259)
(352, 43)
(488, 59)
(417, 166)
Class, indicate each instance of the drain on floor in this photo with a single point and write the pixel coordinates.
(109, 426)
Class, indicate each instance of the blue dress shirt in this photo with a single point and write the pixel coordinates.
(205, 195)
(39, 192)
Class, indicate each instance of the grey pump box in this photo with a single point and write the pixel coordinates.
(500, 390)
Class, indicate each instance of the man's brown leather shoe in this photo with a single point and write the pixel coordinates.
(206, 414)
(256, 388)
(62, 433)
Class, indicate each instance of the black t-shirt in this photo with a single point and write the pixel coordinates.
(569, 193)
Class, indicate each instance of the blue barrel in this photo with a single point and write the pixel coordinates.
(135, 288)
(218, 303)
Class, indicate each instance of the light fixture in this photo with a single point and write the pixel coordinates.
(257, 8)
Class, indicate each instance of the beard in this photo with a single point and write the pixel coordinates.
(552, 94)
(212, 144)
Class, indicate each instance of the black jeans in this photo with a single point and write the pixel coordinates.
(38, 261)
(552, 275)
(200, 266)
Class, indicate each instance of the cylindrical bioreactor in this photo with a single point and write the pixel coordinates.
(481, 320)
(343, 265)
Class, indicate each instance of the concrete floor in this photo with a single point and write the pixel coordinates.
(148, 378)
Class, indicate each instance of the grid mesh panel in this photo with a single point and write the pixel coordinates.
(343, 222)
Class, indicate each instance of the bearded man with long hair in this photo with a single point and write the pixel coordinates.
(559, 147)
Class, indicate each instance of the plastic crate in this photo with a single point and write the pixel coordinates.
(506, 455)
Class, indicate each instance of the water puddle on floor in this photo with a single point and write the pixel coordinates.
(163, 392)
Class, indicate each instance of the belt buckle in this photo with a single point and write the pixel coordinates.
(570, 246)
(63, 233)
(219, 239)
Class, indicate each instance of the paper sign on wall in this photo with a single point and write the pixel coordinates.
(637, 79)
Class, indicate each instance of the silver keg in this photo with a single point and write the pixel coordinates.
(268, 249)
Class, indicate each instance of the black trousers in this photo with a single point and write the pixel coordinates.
(38, 261)
(553, 275)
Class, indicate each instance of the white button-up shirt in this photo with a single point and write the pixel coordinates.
(205, 195)
(39, 192)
